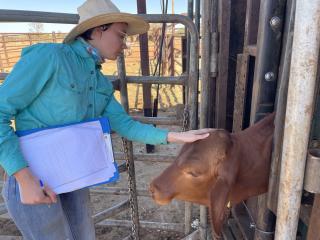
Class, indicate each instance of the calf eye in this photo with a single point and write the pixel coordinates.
(193, 174)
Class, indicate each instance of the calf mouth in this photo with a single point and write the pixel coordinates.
(162, 202)
(160, 197)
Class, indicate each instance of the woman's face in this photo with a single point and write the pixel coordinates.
(111, 42)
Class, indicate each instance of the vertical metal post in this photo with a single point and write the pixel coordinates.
(197, 15)
(281, 99)
(128, 146)
(5, 51)
(206, 91)
(224, 12)
(303, 70)
(123, 82)
(190, 15)
(271, 19)
(214, 50)
(144, 59)
(192, 102)
(193, 80)
(187, 217)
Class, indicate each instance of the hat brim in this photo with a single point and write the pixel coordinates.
(136, 24)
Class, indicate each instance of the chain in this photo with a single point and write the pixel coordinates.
(185, 121)
(253, 223)
(133, 202)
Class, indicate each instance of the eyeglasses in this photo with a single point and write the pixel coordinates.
(123, 36)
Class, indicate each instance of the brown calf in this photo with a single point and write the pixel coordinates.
(223, 167)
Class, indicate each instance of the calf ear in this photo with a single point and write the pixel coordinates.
(218, 200)
(221, 189)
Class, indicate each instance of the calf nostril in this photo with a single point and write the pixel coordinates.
(152, 188)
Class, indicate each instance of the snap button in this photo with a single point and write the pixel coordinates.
(72, 85)
(90, 105)
(90, 88)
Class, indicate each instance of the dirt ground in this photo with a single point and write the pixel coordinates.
(148, 210)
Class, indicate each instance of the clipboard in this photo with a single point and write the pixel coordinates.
(95, 127)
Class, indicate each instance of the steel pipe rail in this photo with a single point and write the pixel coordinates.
(179, 80)
(152, 157)
(110, 212)
(118, 191)
(178, 227)
(159, 120)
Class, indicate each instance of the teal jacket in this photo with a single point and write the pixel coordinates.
(55, 84)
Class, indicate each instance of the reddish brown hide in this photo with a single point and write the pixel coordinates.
(223, 167)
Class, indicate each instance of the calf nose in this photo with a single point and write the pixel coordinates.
(160, 193)
(153, 188)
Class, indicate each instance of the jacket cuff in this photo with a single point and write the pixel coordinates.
(13, 164)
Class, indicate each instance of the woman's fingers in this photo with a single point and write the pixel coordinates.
(45, 200)
(202, 136)
(187, 137)
(49, 193)
(202, 131)
(195, 137)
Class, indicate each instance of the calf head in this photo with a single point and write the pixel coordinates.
(203, 172)
(223, 167)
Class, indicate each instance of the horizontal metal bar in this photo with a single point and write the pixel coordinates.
(150, 157)
(110, 212)
(118, 191)
(115, 82)
(128, 237)
(36, 16)
(69, 18)
(2, 237)
(193, 236)
(159, 120)
(178, 227)
(179, 80)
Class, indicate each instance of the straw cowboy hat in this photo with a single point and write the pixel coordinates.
(94, 13)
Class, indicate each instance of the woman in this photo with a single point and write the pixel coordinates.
(54, 84)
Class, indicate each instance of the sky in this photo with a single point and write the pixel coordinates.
(70, 6)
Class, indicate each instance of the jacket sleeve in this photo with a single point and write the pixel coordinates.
(133, 130)
(20, 88)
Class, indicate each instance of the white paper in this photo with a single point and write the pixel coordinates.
(71, 157)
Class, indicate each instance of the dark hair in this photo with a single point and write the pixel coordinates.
(87, 34)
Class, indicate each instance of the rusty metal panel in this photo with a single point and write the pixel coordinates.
(240, 91)
(222, 79)
(252, 21)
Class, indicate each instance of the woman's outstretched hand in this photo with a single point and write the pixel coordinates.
(189, 136)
